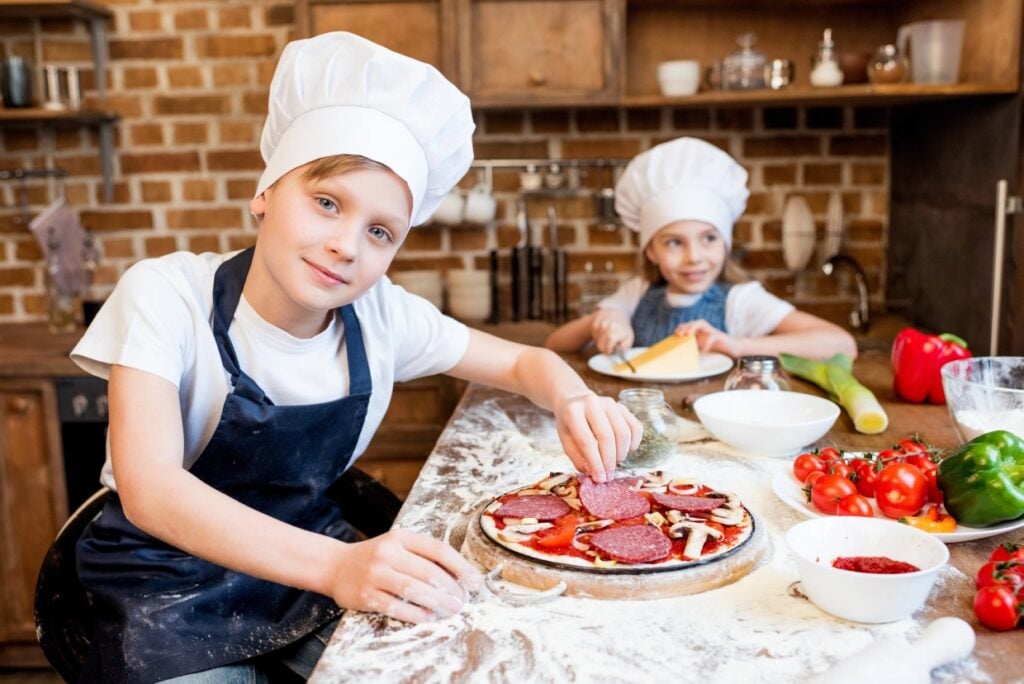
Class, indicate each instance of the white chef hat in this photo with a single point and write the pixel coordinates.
(681, 179)
(338, 93)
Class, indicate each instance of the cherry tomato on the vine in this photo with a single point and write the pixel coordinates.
(900, 490)
(805, 464)
(828, 490)
(855, 504)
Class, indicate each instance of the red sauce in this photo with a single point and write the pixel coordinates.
(879, 565)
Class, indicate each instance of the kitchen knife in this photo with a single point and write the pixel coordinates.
(495, 316)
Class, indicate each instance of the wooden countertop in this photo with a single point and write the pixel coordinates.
(31, 350)
(496, 441)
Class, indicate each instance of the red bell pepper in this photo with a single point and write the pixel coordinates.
(916, 360)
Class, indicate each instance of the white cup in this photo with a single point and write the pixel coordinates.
(679, 77)
(480, 205)
(471, 307)
(449, 211)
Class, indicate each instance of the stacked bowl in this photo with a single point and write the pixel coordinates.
(469, 294)
(426, 284)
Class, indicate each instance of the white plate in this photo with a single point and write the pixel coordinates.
(791, 492)
(833, 228)
(709, 363)
(798, 233)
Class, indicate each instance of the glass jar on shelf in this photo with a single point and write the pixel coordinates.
(759, 373)
(744, 68)
(825, 71)
(888, 65)
(660, 423)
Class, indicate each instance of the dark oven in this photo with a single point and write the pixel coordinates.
(82, 409)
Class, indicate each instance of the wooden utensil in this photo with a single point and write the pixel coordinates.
(943, 641)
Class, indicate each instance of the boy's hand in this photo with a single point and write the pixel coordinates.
(596, 433)
(402, 574)
(611, 327)
(710, 338)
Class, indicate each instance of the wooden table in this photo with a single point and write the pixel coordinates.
(496, 441)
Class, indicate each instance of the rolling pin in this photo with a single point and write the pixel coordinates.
(943, 641)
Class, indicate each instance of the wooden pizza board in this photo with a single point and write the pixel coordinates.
(641, 585)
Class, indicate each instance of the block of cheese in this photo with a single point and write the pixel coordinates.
(674, 354)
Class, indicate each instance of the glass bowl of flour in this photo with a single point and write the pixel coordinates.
(984, 394)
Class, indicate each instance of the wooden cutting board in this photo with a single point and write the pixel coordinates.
(644, 585)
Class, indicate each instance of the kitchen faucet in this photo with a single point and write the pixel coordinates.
(860, 317)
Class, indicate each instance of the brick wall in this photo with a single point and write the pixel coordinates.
(189, 79)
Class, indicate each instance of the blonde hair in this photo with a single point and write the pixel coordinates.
(325, 167)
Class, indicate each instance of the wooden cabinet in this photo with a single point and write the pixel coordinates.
(524, 51)
(422, 29)
(418, 413)
(32, 508)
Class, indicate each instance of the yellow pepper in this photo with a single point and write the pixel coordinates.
(931, 521)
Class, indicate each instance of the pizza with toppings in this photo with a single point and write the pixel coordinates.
(633, 523)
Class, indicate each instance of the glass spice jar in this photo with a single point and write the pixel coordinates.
(661, 427)
(888, 65)
(758, 372)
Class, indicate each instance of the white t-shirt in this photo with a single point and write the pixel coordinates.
(158, 320)
(750, 310)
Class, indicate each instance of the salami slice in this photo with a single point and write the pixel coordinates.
(688, 504)
(540, 506)
(632, 544)
(612, 499)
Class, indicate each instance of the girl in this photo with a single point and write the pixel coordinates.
(683, 198)
(243, 385)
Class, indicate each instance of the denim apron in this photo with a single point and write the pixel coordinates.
(162, 613)
(654, 320)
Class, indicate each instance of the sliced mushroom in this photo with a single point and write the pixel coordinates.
(493, 506)
(528, 521)
(601, 563)
(593, 525)
(510, 535)
(532, 492)
(574, 503)
(554, 481)
(683, 486)
(655, 518)
(727, 516)
(656, 479)
(580, 544)
(696, 534)
(530, 528)
(675, 516)
(565, 491)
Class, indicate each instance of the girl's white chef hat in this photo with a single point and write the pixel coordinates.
(681, 179)
(338, 93)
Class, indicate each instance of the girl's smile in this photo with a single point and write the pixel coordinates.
(690, 255)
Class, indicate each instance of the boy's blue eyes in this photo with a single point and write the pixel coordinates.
(376, 231)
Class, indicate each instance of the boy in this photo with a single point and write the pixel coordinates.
(241, 386)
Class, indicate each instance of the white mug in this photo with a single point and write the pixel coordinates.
(449, 211)
(481, 206)
(679, 77)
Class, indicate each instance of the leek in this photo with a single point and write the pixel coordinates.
(835, 376)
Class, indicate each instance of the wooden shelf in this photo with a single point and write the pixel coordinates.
(800, 95)
(51, 117)
(78, 9)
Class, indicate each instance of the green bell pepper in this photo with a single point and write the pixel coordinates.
(983, 481)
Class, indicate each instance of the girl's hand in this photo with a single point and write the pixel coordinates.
(402, 574)
(611, 327)
(596, 433)
(710, 338)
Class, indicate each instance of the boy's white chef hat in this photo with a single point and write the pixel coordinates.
(338, 93)
(681, 179)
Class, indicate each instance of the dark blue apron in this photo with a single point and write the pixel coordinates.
(654, 320)
(162, 613)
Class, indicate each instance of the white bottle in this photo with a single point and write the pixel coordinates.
(826, 72)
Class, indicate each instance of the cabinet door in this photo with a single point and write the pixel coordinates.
(539, 51)
(32, 505)
(422, 29)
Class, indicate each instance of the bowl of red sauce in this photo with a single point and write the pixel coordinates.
(866, 569)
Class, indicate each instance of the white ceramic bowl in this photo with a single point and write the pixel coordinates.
(772, 423)
(985, 394)
(862, 596)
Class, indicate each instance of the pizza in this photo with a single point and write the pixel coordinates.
(643, 522)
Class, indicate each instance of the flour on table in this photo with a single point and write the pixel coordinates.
(753, 630)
